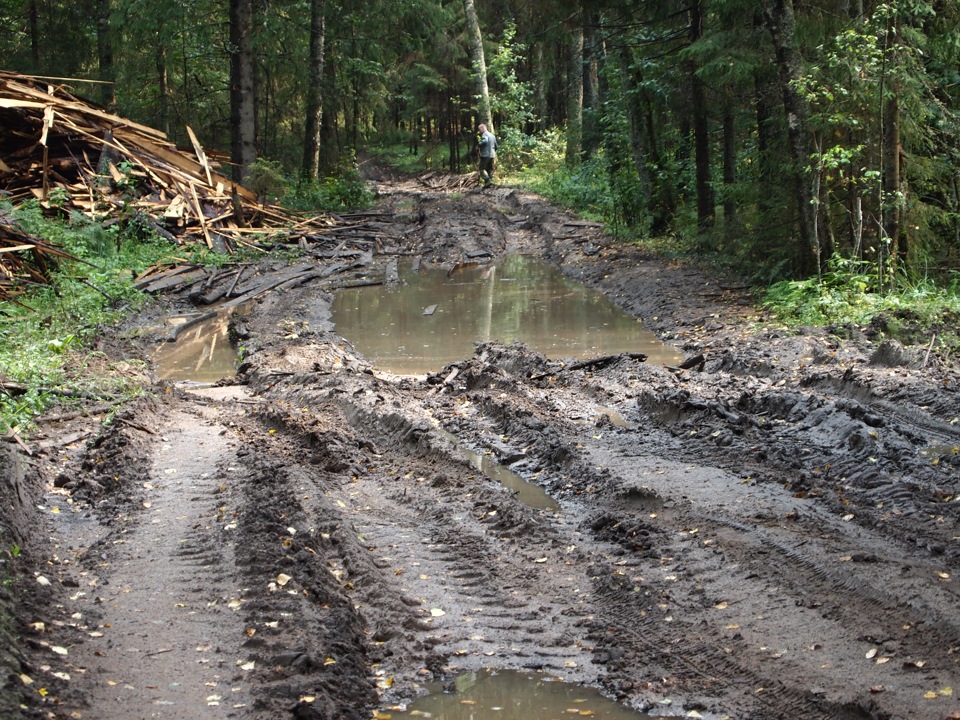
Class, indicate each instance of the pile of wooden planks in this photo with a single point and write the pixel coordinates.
(73, 156)
(69, 153)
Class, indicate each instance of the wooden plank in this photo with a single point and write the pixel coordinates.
(201, 156)
(175, 280)
(15, 103)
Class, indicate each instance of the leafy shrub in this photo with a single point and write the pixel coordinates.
(332, 194)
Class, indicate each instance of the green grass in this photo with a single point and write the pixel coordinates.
(47, 335)
(911, 312)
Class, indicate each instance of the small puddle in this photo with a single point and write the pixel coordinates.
(431, 319)
(527, 492)
(514, 695)
(201, 353)
(934, 452)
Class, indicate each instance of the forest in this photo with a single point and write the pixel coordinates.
(791, 138)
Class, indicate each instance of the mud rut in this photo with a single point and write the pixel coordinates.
(761, 537)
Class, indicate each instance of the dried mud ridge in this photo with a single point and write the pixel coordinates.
(771, 533)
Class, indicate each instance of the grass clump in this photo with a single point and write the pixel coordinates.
(850, 294)
(47, 331)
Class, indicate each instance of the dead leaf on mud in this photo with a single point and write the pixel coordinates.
(437, 612)
(943, 575)
(283, 579)
(248, 665)
(871, 653)
(26, 680)
(722, 605)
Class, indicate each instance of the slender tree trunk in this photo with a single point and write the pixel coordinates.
(33, 19)
(105, 54)
(592, 50)
(764, 90)
(479, 63)
(163, 86)
(243, 115)
(729, 166)
(575, 97)
(890, 202)
(665, 207)
(314, 106)
(635, 111)
(779, 18)
(701, 129)
(539, 88)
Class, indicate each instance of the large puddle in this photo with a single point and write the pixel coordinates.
(433, 318)
(513, 695)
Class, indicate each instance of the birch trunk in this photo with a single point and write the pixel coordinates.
(479, 63)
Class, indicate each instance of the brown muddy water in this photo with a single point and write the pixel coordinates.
(529, 493)
(432, 317)
(512, 695)
(201, 354)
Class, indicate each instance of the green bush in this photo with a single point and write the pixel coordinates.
(332, 194)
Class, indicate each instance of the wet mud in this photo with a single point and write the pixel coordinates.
(768, 531)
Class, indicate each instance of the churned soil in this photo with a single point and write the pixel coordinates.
(768, 532)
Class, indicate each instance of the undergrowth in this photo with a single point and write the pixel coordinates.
(849, 294)
(51, 327)
(336, 193)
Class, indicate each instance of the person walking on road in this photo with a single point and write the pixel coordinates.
(488, 154)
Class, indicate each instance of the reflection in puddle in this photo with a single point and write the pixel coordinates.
(202, 353)
(514, 695)
(431, 319)
(938, 451)
(528, 493)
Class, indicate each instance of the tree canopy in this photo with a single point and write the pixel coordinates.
(785, 135)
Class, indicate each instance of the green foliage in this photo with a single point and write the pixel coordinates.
(56, 323)
(850, 292)
(509, 97)
(584, 189)
(345, 191)
(331, 194)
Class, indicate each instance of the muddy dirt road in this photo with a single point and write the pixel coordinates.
(768, 534)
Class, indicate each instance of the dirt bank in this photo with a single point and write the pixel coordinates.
(768, 534)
